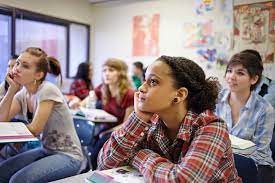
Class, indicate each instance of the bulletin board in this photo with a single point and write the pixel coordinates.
(254, 28)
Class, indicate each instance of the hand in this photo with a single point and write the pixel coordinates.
(13, 85)
(74, 103)
(145, 116)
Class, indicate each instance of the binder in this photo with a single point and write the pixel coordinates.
(15, 132)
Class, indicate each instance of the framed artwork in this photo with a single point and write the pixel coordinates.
(146, 35)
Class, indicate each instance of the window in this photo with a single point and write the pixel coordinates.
(78, 47)
(50, 37)
(66, 40)
(5, 43)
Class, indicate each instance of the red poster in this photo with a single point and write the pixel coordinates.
(146, 35)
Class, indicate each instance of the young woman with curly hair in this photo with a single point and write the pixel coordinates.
(173, 134)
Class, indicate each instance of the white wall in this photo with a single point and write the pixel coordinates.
(74, 10)
(111, 25)
(113, 31)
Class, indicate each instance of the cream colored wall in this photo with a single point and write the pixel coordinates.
(111, 23)
(113, 31)
(74, 10)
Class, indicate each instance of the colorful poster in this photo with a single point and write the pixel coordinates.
(254, 28)
(146, 35)
(198, 34)
(205, 36)
(204, 6)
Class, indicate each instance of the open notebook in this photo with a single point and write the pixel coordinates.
(123, 174)
(242, 146)
(15, 132)
(97, 115)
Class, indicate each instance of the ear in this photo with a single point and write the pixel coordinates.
(182, 94)
(254, 80)
(39, 75)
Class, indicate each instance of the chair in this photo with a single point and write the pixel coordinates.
(85, 131)
(246, 169)
(272, 146)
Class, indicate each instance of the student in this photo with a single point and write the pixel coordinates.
(3, 90)
(266, 86)
(138, 75)
(173, 134)
(4, 85)
(54, 74)
(247, 114)
(116, 97)
(43, 105)
(82, 83)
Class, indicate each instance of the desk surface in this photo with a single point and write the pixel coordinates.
(124, 174)
(18, 140)
(15, 132)
(74, 179)
(94, 115)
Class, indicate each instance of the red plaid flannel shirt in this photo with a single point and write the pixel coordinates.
(200, 153)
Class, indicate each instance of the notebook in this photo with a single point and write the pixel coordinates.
(123, 174)
(97, 115)
(15, 132)
(242, 146)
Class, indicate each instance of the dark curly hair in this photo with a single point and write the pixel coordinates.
(202, 92)
(250, 62)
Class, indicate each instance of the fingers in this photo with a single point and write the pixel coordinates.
(13, 85)
(9, 78)
(136, 99)
(137, 93)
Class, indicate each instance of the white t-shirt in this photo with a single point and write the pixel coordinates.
(59, 134)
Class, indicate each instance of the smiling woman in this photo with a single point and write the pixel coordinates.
(247, 114)
(43, 106)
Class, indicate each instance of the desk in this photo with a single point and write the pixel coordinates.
(94, 115)
(123, 174)
(15, 132)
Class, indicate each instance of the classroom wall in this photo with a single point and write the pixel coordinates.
(74, 10)
(111, 27)
(113, 32)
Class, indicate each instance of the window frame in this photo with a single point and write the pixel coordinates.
(38, 17)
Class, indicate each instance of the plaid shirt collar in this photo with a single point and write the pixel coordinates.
(190, 124)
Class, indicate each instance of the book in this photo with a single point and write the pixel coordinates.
(96, 115)
(123, 174)
(15, 132)
(242, 146)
